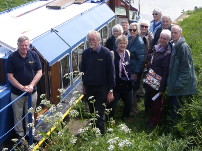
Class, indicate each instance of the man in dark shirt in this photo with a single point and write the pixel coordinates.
(24, 71)
(166, 24)
(99, 77)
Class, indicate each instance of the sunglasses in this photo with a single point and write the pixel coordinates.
(143, 26)
(134, 30)
(154, 14)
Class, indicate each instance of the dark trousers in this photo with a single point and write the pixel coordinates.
(155, 107)
(175, 104)
(136, 86)
(126, 95)
(100, 96)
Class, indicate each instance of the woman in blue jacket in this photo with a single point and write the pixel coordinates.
(136, 47)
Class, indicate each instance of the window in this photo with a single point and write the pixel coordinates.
(110, 25)
(64, 67)
(133, 15)
(76, 60)
(103, 33)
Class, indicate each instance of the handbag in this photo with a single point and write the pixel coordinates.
(152, 79)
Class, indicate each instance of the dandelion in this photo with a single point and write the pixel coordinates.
(112, 122)
(52, 109)
(42, 96)
(71, 73)
(73, 140)
(61, 91)
(72, 100)
(111, 147)
(31, 147)
(31, 110)
(15, 140)
(38, 109)
(58, 116)
(93, 119)
(75, 92)
(66, 75)
(73, 113)
(81, 130)
(110, 130)
(30, 125)
(61, 133)
(124, 143)
(104, 104)
(59, 106)
(124, 128)
(97, 115)
(47, 119)
(45, 102)
(91, 97)
(113, 140)
(81, 73)
(96, 131)
(107, 111)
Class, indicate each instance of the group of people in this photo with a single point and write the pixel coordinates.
(118, 69)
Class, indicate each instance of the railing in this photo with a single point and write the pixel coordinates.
(29, 119)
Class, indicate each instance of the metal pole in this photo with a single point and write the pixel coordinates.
(30, 118)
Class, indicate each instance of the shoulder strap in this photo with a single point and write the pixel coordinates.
(112, 52)
(128, 52)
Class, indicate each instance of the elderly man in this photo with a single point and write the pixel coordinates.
(181, 79)
(99, 76)
(24, 72)
(125, 25)
(166, 24)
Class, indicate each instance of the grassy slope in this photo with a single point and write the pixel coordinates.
(8, 4)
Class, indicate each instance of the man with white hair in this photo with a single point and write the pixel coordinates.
(97, 65)
(166, 24)
(181, 79)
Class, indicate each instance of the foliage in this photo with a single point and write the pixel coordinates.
(9, 4)
(189, 124)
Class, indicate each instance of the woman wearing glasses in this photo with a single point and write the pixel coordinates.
(136, 48)
(157, 20)
(147, 37)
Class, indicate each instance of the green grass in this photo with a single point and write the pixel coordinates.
(8, 4)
